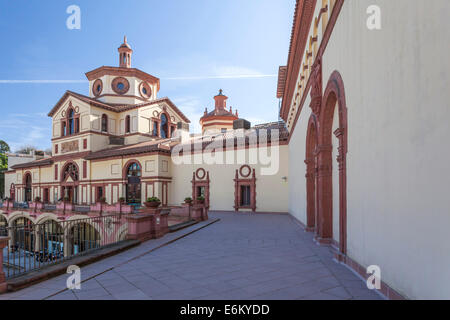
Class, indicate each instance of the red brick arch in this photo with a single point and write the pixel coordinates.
(125, 168)
(311, 177)
(333, 97)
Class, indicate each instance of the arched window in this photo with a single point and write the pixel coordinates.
(134, 170)
(104, 123)
(71, 170)
(127, 124)
(28, 187)
(71, 122)
(133, 187)
(164, 132)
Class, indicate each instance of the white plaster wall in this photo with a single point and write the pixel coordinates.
(297, 166)
(397, 90)
(272, 192)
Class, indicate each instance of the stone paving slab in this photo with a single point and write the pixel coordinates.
(243, 256)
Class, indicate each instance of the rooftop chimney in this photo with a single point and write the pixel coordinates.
(241, 124)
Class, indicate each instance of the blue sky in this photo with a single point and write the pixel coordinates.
(195, 47)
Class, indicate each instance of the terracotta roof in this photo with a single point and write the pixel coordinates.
(113, 106)
(122, 72)
(143, 147)
(221, 113)
(205, 140)
(303, 17)
(36, 163)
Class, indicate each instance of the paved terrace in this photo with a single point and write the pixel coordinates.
(242, 256)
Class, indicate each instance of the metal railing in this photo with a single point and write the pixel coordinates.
(34, 246)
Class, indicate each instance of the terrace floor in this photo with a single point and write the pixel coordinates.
(242, 256)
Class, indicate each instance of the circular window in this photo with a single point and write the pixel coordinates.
(120, 85)
(97, 87)
(145, 90)
(200, 173)
(245, 171)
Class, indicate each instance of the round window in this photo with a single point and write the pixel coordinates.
(145, 90)
(120, 85)
(97, 87)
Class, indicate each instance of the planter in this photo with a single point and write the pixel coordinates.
(188, 202)
(153, 204)
(200, 201)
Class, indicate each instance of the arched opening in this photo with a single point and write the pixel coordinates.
(51, 241)
(333, 120)
(104, 123)
(22, 235)
(133, 186)
(71, 121)
(28, 188)
(70, 181)
(311, 184)
(3, 226)
(164, 128)
(84, 237)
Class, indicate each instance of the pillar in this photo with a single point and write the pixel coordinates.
(3, 284)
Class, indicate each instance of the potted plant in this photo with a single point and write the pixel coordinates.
(152, 202)
(37, 199)
(121, 200)
(188, 200)
(102, 200)
(201, 199)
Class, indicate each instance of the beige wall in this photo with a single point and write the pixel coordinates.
(396, 85)
(271, 190)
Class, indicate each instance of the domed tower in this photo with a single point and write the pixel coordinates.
(125, 53)
(221, 119)
(122, 84)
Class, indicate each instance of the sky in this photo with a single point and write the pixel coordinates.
(195, 47)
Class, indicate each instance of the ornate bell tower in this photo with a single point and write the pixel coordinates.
(125, 53)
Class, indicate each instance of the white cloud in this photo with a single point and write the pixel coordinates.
(21, 129)
(226, 72)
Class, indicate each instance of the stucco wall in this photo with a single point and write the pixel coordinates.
(271, 190)
(396, 84)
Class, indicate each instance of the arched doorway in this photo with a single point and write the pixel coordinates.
(311, 176)
(70, 181)
(133, 175)
(28, 187)
(51, 238)
(334, 97)
(84, 237)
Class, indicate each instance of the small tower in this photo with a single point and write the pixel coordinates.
(221, 101)
(221, 119)
(125, 53)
